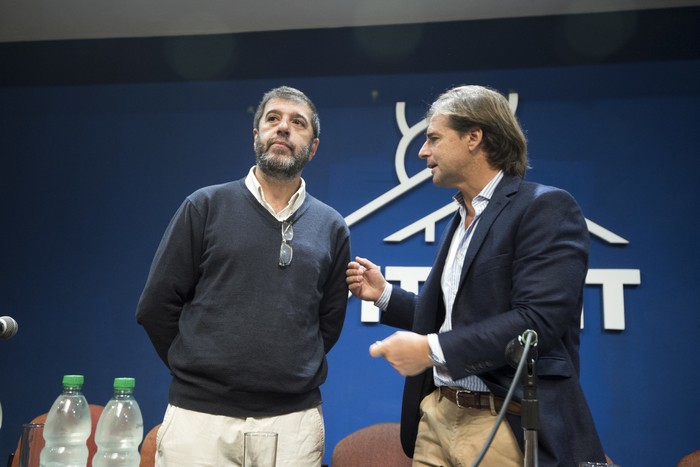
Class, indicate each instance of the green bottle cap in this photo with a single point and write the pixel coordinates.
(124, 383)
(73, 380)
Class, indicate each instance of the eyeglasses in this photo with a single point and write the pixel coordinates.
(285, 248)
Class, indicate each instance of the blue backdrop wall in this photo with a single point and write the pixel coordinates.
(101, 141)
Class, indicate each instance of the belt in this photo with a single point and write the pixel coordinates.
(477, 400)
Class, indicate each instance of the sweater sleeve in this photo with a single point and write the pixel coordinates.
(172, 279)
(335, 294)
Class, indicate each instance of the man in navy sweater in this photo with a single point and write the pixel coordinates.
(245, 297)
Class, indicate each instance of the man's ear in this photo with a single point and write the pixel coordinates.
(474, 137)
(314, 147)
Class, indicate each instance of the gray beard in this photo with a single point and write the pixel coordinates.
(279, 167)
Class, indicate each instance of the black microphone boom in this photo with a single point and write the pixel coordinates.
(8, 327)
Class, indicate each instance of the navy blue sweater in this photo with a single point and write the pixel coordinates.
(241, 335)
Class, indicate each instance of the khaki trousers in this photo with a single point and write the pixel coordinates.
(453, 436)
(194, 439)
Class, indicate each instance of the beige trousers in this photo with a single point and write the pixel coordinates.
(453, 436)
(195, 439)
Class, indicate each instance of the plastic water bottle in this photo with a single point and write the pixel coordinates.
(120, 428)
(68, 426)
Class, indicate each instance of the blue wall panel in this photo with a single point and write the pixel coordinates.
(91, 175)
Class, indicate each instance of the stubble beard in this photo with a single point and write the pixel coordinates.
(280, 166)
(436, 178)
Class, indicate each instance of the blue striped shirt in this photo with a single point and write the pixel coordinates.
(450, 283)
(451, 278)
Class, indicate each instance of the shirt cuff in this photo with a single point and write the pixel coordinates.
(383, 300)
(436, 354)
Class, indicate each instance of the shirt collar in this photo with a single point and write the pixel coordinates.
(253, 185)
(485, 194)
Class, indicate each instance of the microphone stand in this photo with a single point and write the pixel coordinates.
(530, 414)
(529, 408)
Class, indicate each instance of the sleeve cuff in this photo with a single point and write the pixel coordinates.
(383, 300)
(436, 354)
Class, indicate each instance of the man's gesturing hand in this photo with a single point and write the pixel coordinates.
(407, 352)
(364, 279)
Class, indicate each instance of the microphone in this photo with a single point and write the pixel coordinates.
(516, 347)
(8, 327)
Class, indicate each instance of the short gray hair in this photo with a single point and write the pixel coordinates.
(287, 93)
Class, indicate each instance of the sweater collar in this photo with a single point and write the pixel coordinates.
(295, 202)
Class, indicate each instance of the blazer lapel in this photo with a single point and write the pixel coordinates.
(501, 197)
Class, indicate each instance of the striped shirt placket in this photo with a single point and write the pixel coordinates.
(451, 278)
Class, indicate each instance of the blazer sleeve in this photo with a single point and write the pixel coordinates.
(529, 275)
(400, 310)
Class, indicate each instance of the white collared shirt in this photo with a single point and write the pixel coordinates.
(294, 202)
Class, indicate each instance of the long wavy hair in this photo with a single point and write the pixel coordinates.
(467, 107)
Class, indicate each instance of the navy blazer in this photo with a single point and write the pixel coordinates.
(524, 269)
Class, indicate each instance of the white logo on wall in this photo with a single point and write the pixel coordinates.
(410, 278)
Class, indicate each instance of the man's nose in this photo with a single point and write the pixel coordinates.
(424, 151)
(283, 126)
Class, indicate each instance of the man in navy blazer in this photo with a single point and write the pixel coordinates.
(514, 258)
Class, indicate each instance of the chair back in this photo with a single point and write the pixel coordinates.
(376, 445)
(690, 460)
(148, 448)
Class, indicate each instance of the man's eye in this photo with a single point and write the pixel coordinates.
(299, 122)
